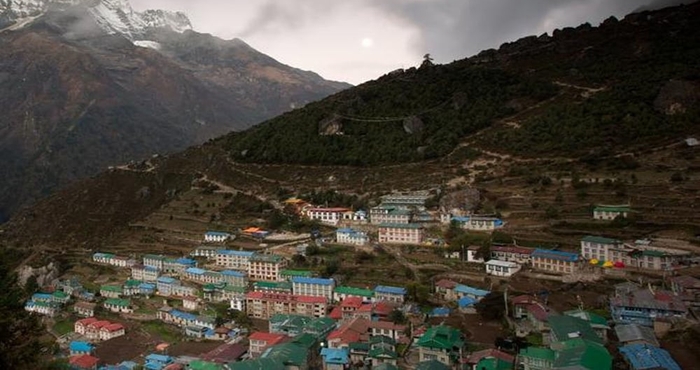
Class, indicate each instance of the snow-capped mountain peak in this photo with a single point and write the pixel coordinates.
(113, 16)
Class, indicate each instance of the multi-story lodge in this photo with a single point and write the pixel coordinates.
(262, 305)
(266, 267)
(328, 216)
(144, 273)
(555, 261)
(606, 212)
(168, 286)
(643, 306)
(237, 260)
(316, 287)
(389, 294)
(408, 200)
(111, 259)
(157, 261)
(216, 236)
(385, 214)
(205, 251)
(350, 236)
(512, 253)
(478, 223)
(178, 265)
(401, 233)
(640, 254)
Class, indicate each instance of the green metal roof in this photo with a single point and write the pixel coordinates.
(204, 365)
(382, 353)
(566, 327)
(600, 240)
(273, 285)
(60, 294)
(493, 364)
(111, 288)
(539, 353)
(604, 208)
(257, 364)
(401, 226)
(432, 365)
(442, 337)
(583, 354)
(131, 283)
(118, 302)
(359, 346)
(306, 340)
(288, 353)
(348, 290)
(301, 273)
(386, 366)
(234, 288)
(592, 318)
(271, 258)
(382, 339)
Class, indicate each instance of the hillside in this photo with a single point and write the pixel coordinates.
(545, 128)
(89, 84)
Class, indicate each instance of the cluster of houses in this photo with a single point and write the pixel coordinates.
(577, 338)
(506, 260)
(400, 218)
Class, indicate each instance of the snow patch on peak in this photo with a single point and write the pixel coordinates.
(148, 44)
(118, 17)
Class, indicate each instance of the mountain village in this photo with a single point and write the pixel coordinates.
(273, 315)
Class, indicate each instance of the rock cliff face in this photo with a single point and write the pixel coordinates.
(89, 84)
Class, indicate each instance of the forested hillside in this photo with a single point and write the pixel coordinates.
(636, 82)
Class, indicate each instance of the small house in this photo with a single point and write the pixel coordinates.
(335, 358)
(501, 268)
(389, 294)
(216, 236)
(85, 309)
(80, 348)
(83, 362)
(646, 357)
(609, 213)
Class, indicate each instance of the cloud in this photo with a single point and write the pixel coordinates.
(285, 16)
(454, 29)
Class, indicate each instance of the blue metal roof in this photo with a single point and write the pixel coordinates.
(41, 297)
(186, 261)
(147, 286)
(311, 280)
(183, 315)
(390, 289)
(555, 255)
(644, 356)
(195, 270)
(466, 302)
(77, 346)
(232, 273)
(471, 291)
(440, 311)
(338, 356)
(345, 230)
(217, 233)
(235, 253)
(166, 280)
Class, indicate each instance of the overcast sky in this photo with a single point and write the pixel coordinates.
(359, 40)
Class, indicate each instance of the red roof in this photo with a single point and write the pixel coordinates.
(310, 299)
(100, 324)
(386, 325)
(84, 361)
(336, 313)
(352, 301)
(489, 353)
(114, 327)
(336, 210)
(268, 338)
(511, 249)
(352, 331)
(524, 299)
(285, 297)
(87, 321)
(539, 311)
(225, 353)
(383, 308)
(446, 284)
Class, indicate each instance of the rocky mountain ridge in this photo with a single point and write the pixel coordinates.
(79, 93)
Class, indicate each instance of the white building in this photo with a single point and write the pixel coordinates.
(479, 223)
(205, 251)
(350, 236)
(238, 260)
(603, 249)
(111, 331)
(190, 303)
(501, 268)
(157, 261)
(266, 267)
(609, 213)
(111, 259)
(401, 233)
(237, 303)
(315, 287)
(472, 251)
(216, 236)
(328, 216)
(144, 273)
